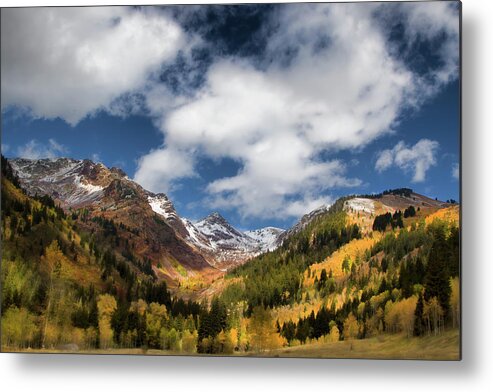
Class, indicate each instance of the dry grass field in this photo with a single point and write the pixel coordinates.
(442, 347)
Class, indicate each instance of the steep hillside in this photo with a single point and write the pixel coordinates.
(60, 275)
(149, 224)
(78, 278)
(181, 252)
(267, 237)
(331, 281)
(304, 221)
(363, 209)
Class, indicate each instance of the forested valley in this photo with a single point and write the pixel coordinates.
(73, 283)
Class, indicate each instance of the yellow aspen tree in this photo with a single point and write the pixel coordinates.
(433, 314)
(155, 321)
(106, 306)
(233, 333)
(351, 327)
(189, 341)
(263, 333)
(406, 309)
(139, 307)
(334, 334)
(52, 262)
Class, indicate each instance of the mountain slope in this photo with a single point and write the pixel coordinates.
(363, 209)
(168, 240)
(77, 279)
(109, 194)
(216, 239)
(64, 275)
(304, 221)
(228, 245)
(267, 237)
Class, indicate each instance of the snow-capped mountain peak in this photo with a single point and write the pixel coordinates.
(266, 237)
(222, 234)
(72, 182)
(82, 183)
(162, 205)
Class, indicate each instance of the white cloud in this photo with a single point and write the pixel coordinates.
(70, 62)
(428, 21)
(5, 148)
(306, 204)
(416, 159)
(340, 87)
(385, 160)
(36, 150)
(455, 171)
(261, 190)
(161, 165)
(329, 80)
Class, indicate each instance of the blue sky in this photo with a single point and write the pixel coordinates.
(252, 111)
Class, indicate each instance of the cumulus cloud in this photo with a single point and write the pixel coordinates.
(276, 121)
(328, 81)
(36, 150)
(416, 159)
(455, 171)
(70, 62)
(427, 22)
(161, 165)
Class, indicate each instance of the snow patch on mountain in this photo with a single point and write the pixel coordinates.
(61, 178)
(87, 187)
(197, 237)
(221, 234)
(77, 183)
(266, 237)
(91, 188)
(359, 204)
(48, 170)
(161, 205)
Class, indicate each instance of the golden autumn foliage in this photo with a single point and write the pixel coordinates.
(263, 334)
(106, 307)
(139, 307)
(189, 341)
(351, 285)
(156, 317)
(399, 316)
(450, 214)
(334, 262)
(433, 314)
(226, 342)
(18, 327)
(351, 327)
(334, 334)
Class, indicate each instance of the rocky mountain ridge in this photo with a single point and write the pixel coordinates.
(84, 184)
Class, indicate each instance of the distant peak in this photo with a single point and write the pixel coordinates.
(160, 194)
(119, 171)
(216, 216)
